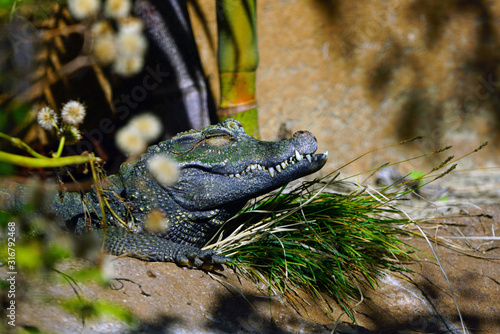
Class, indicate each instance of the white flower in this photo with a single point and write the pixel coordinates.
(108, 271)
(101, 28)
(104, 49)
(46, 118)
(130, 141)
(81, 9)
(73, 112)
(156, 222)
(131, 42)
(148, 125)
(117, 8)
(164, 169)
(128, 65)
(131, 45)
(131, 24)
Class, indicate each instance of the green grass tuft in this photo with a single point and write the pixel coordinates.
(315, 239)
(319, 241)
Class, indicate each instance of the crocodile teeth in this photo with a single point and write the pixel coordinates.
(298, 156)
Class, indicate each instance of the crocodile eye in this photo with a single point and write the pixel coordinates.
(186, 143)
(218, 140)
(217, 132)
(218, 136)
(233, 125)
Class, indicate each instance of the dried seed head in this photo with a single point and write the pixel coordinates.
(131, 24)
(73, 112)
(483, 145)
(156, 222)
(130, 141)
(101, 28)
(410, 140)
(72, 134)
(81, 9)
(164, 169)
(46, 118)
(104, 49)
(117, 8)
(443, 149)
(131, 42)
(128, 65)
(148, 125)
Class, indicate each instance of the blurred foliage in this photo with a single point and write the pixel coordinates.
(97, 310)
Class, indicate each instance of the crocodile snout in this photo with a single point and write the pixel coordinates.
(305, 135)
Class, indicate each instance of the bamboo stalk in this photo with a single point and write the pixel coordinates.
(238, 59)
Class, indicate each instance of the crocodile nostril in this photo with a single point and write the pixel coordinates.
(302, 134)
(305, 134)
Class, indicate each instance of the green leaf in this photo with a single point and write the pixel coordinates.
(20, 113)
(7, 169)
(98, 309)
(29, 255)
(6, 3)
(3, 118)
(417, 174)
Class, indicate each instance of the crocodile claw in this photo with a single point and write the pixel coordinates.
(202, 259)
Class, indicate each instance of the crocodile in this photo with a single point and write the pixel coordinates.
(220, 169)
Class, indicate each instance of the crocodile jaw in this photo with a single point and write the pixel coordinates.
(218, 190)
(297, 163)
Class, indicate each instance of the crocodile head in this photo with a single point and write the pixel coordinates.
(221, 164)
(221, 167)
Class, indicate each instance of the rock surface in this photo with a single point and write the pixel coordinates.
(364, 75)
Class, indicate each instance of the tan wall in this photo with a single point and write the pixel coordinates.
(366, 74)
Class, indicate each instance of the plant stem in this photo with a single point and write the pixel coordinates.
(44, 162)
(98, 188)
(60, 148)
(19, 143)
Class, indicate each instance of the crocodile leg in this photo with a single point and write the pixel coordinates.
(152, 248)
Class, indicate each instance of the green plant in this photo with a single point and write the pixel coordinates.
(322, 242)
